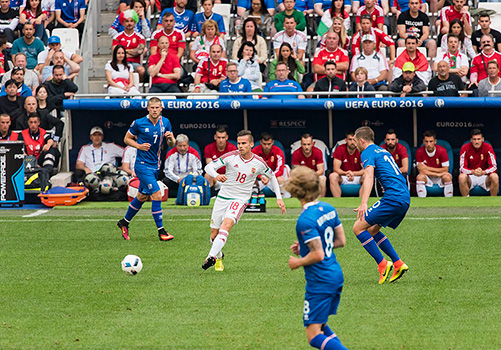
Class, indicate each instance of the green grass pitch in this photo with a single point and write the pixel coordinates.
(61, 286)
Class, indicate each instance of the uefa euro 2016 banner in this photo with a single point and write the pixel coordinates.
(309, 104)
(288, 119)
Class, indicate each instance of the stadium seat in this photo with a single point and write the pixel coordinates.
(195, 145)
(320, 145)
(435, 190)
(225, 11)
(347, 190)
(69, 38)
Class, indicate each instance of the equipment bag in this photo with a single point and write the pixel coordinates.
(193, 191)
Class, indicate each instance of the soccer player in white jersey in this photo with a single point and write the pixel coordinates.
(242, 169)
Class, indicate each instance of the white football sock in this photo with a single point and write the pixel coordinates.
(448, 189)
(218, 243)
(421, 189)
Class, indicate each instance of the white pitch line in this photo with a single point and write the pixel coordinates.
(38, 212)
(244, 219)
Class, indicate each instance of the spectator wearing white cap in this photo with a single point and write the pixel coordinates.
(375, 63)
(93, 156)
(44, 58)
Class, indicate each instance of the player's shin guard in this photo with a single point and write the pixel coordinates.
(219, 243)
(385, 245)
(448, 189)
(370, 245)
(421, 189)
(134, 208)
(331, 342)
(156, 211)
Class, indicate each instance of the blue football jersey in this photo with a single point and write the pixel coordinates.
(242, 85)
(184, 20)
(387, 172)
(146, 132)
(318, 220)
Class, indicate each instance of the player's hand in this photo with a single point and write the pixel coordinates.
(264, 180)
(281, 205)
(169, 135)
(295, 248)
(221, 178)
(144, 147)
(361, 211)
(294, 262)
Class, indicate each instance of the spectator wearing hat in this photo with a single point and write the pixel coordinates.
(70, 14)
(373, 61)
(445, 83)
(22, 89)
(92, 157)
(71, 69)
(412, 54)
(45, 57)
(133, 42)
(60, 88)
(11, 104)
(408, 82)
(30, 77)
(29, 45)
(143, 25)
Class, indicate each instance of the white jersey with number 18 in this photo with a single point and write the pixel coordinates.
(241, 174)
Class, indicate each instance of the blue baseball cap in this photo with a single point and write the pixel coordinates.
(54, 40)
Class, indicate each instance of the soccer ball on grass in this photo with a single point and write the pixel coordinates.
(132, 264)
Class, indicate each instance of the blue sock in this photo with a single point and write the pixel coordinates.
(156, 211)
(134, 207)
(370, 245)
(327, 343)
(384, 243)
(327, 330)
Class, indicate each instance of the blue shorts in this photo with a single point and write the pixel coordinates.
(147, 180)
(386, 213)
(319, 306)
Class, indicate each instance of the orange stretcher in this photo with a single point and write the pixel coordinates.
(63, 196)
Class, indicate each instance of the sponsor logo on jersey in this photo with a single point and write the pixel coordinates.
(253, 170)
(147, 130)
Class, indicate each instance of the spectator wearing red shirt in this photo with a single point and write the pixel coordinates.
(312, 157)
(274, 158)
(211, 71)
(216, 149)
(457, 10)
(177, 41)
(331, 52)
(164, 68)
(347, 166)
(412, 54)
(374, 11)
(433, 166)
(477, 165)
(133, 42)
(478, 65)
(381, 37)
(397, 151)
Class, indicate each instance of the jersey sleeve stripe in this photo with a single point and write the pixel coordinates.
(311, 239)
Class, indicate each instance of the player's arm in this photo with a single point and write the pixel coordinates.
(366, 192)
(129, 140)
(275, 187)
(358, 173)
(404, 169)
(337, 166)
(212, 168)
(315, 255)
(320, 169)
(339, 237)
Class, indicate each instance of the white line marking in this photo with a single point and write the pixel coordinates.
(38, 212)
(244, 219)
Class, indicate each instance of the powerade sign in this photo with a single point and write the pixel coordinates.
(11, 172)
